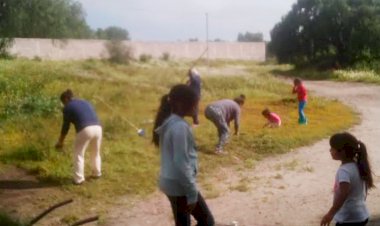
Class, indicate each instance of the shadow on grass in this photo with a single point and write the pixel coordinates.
(205, 149)
(24, 184)
(26, 153)
(307, 74)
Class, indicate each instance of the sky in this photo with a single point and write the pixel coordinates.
(180, 20)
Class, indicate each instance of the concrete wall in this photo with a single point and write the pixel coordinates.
(74, 49)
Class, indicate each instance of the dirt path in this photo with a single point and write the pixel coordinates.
(294, 189)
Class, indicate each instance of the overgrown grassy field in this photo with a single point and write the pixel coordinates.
(30, 119)
(346, 75)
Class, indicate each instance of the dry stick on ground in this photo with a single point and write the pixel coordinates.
(85, 221)
(140, 131)
(49, 210)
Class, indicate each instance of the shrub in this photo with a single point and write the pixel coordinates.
(145, 58)
(118, 52)
(5, 44)
(165, 56)
(7, 220)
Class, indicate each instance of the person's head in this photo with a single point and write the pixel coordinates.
(265, 112)
(240, 100)
(193, 72)
(67, 96)
(181, 100)
(345, 147)
(297, 82)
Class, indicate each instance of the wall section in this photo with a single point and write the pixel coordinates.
(75, 49)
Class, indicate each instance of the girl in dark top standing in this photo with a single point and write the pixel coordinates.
(179, 163)
(89, 132)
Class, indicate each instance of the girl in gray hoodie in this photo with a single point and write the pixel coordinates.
(179, 164)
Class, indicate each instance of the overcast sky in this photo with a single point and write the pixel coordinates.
(173, 20)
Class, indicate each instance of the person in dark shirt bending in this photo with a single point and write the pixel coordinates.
(88, 132)
(195, 84)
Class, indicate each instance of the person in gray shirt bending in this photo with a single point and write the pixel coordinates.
(221, 113)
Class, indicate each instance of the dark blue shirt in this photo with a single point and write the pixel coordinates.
(195, 84)
(80, 113)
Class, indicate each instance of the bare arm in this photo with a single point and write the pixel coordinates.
(237, 122)
(61, 139)
(344, 190)
(64, 130)
(294, 89)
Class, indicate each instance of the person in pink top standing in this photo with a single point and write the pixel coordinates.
(301, 91)
(273, 119)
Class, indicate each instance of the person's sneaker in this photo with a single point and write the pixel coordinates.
(220, 151)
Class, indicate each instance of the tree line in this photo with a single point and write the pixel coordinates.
(57, 19)
(329, 34)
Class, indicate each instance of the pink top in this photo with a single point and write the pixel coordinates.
(274, 118)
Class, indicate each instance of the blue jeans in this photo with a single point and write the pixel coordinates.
(201, 212)
(215, 115)
(301, 114)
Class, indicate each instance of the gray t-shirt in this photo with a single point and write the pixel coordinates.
(230, 110)
(354, 208)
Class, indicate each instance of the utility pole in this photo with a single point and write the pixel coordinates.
(208, 59)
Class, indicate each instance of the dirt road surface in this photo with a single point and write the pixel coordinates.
(294, 189)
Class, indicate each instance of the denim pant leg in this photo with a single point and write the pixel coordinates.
(223, 132)
(215, 115)
(302, 117)
(195, 115)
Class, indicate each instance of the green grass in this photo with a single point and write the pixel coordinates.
(30, 123)
(6, 220)
(346, 75)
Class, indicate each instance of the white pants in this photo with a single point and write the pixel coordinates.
(90, 135)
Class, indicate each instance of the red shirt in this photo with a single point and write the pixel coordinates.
(301, 92)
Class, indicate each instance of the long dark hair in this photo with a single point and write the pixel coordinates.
(354, 150)
(67, 95)
(181, 99)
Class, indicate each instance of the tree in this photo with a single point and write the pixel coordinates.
(41, 19)
(45, 19)
(112, 33)
(328, 33)
(250, 37)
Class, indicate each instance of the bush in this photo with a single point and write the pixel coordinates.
(6, 220)
(165, 56)
(118, 52)
(145, 58)
(20, 96)
(373, 65)
(5, 44)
